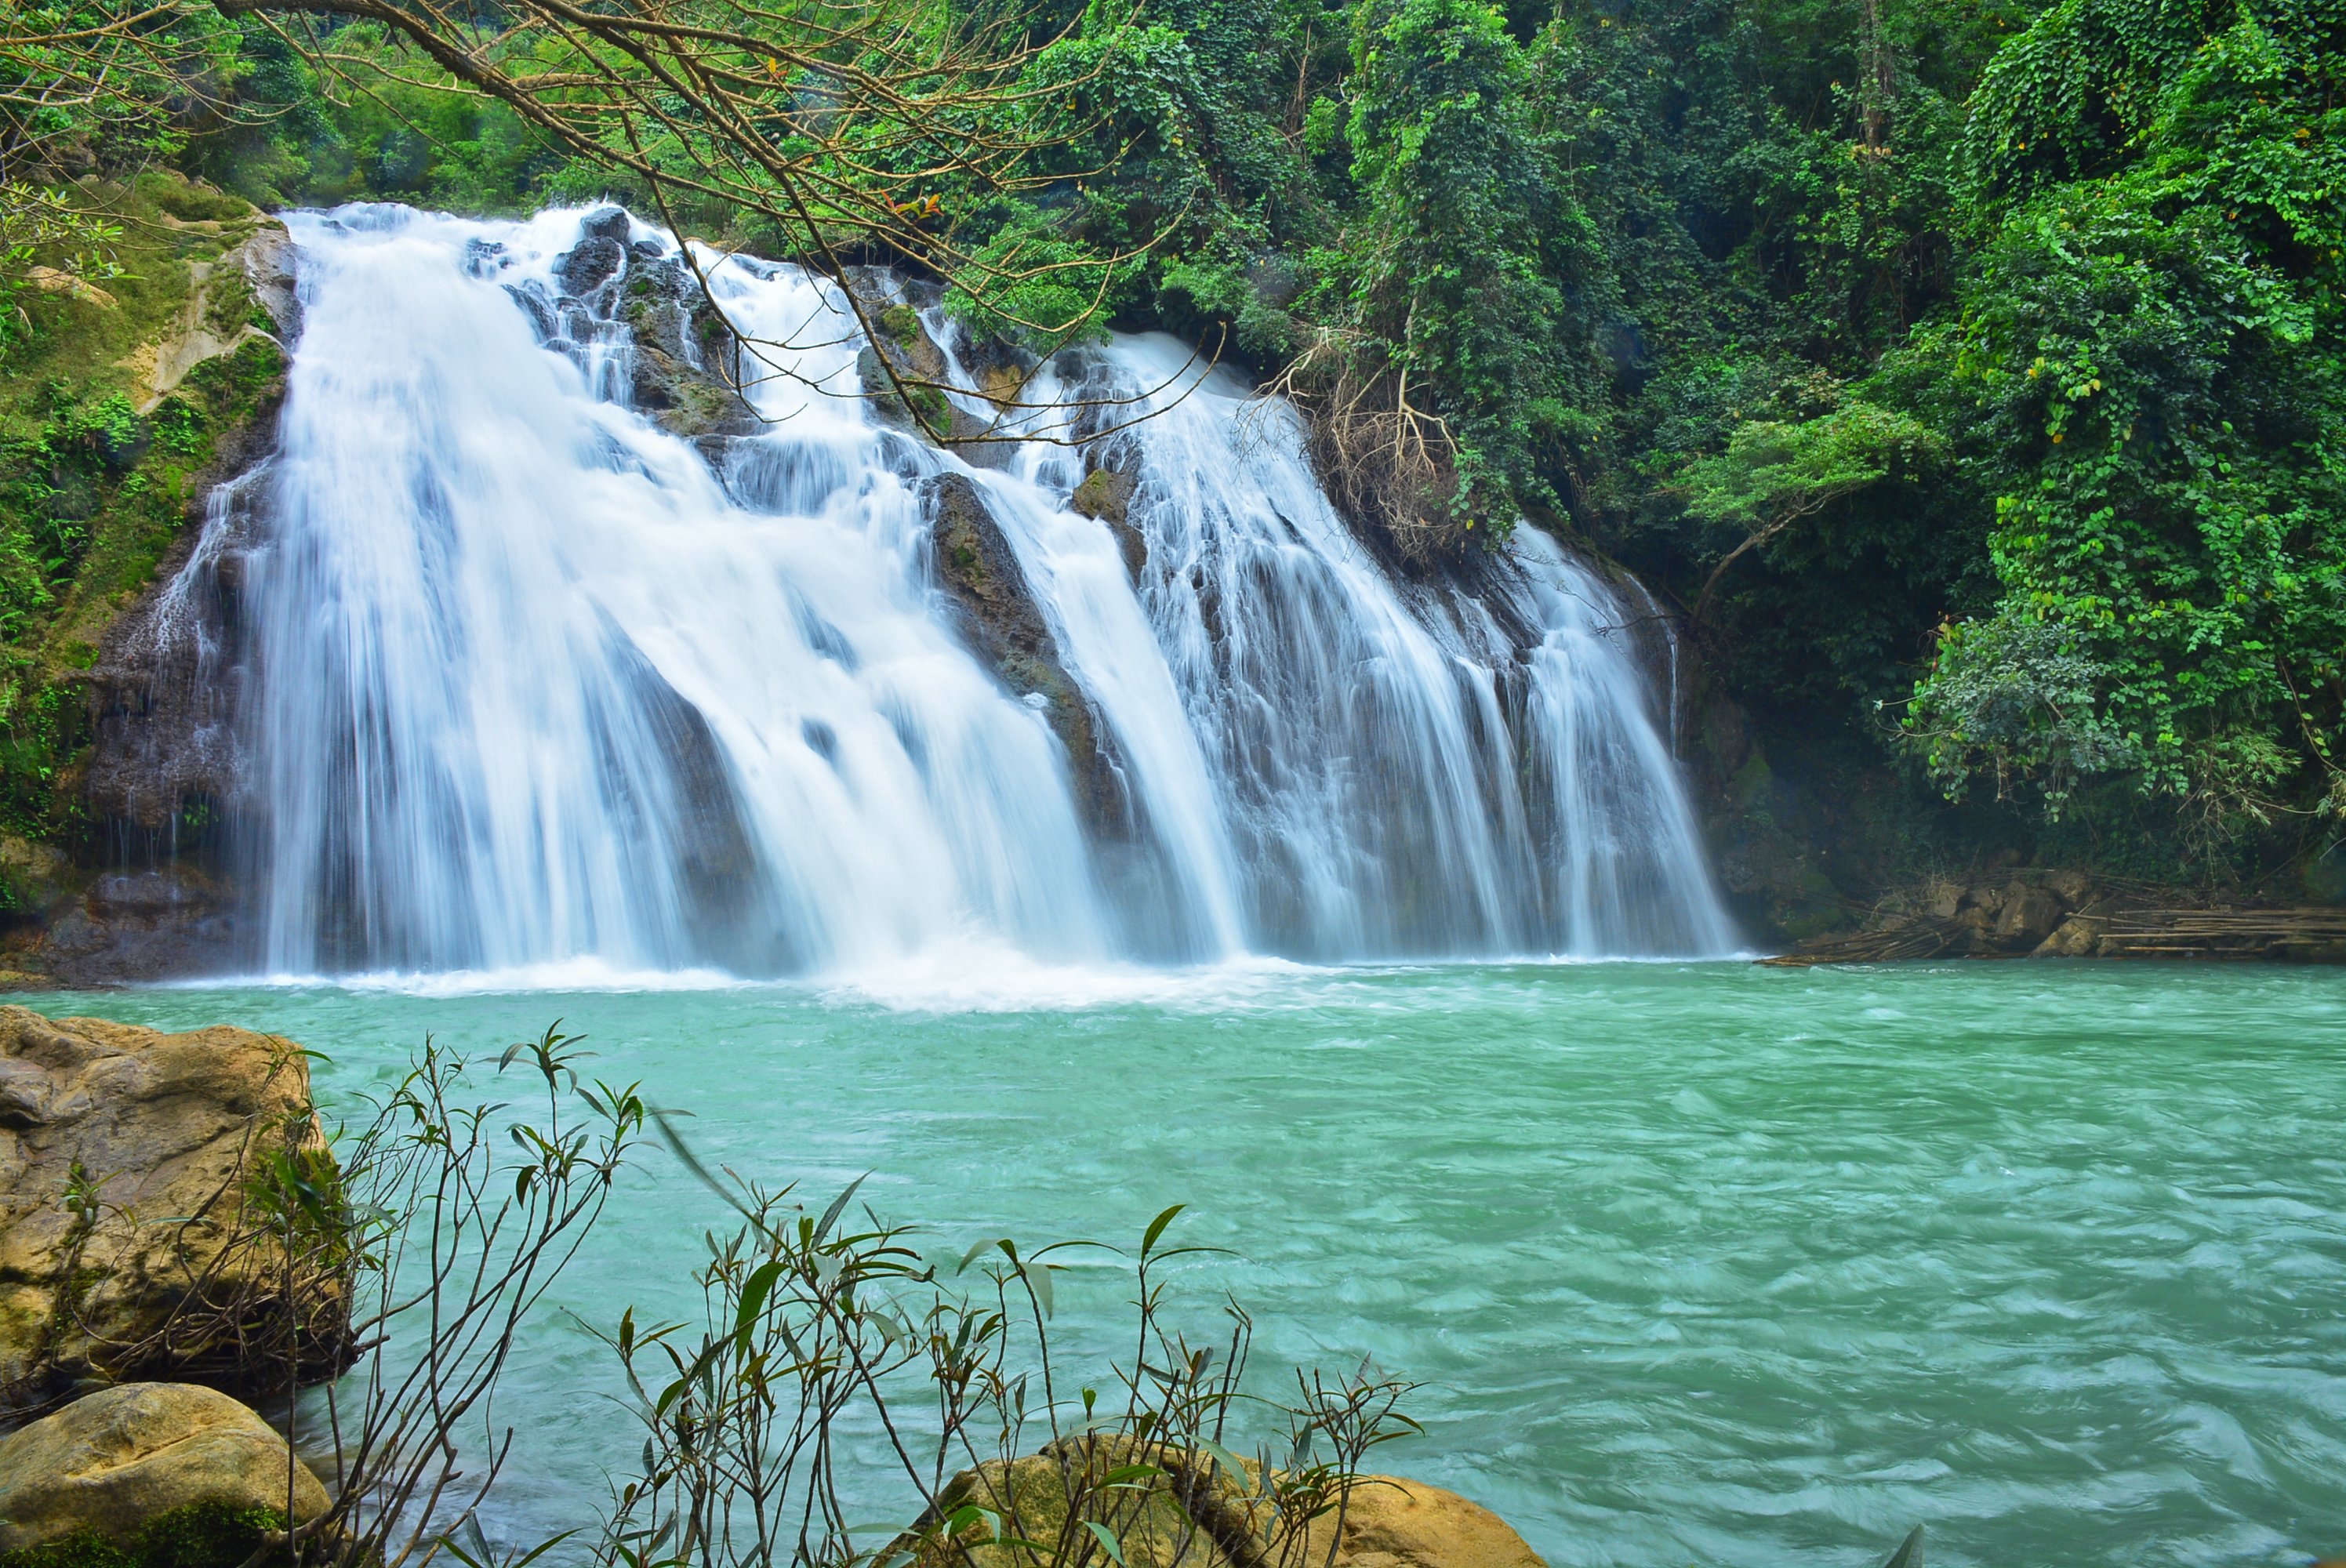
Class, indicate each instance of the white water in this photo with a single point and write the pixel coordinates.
(533, 685)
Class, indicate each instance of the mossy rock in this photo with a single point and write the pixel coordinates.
(1130, 1491)
(1168, 1507)
(117, 417)
(214, 1534)
(156, 1475)
(902, 323)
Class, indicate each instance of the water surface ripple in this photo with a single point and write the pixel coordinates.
(1699, 1262)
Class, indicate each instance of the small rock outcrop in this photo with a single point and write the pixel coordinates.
(1106, 494)
(1192, 1514)
(999, 620)
(247, 294)
(680, 357)
(1390, 1523)
(900, 343)
(113, 1463)
(2066, 913)
(133, 1233)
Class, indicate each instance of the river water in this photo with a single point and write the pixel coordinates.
(1698, 1263)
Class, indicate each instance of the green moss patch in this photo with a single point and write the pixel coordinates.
(201, 1535)
(94, 493)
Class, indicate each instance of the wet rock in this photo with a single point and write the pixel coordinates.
(913, 398)
(683, 351)
(998, 618)
(594, 261)
(111, 1463)
(165, 921)
(900, 343)
(129, 1246)
(1106, 494)
(166, 767)
(682, 361)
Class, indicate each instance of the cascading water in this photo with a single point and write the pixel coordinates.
(527, 679)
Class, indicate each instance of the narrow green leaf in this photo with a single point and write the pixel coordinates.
(837, 1206)
(1222, 1456)
(1157, 1227)
(1106, 1538)
(753, 1296)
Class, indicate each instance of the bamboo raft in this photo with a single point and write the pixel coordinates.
(1915, 937)
(2221, 932)
(2143, 932)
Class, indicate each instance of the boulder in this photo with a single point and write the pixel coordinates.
(111, 1463)
(133, 1234)
(1030, 1496)
(900, 343)
(1193, 1514)
(51, 280)
(2025, 916)
(2079, 936)
(1105, 495)
(681, 355)
(1390, 1523)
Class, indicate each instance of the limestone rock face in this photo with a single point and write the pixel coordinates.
(114, 1460)
(164, 765)
(219, 315)
(130, 1243)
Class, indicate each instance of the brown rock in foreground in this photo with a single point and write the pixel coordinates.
(1390, 1523)
(133, 1243)
(1193, 1514)
(111, 1463)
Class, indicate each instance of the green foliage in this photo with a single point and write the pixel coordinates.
(1033, 282)
(2150, 376)
(199, 1535)
(93, 494)
(1474, 266)
(1773, 471)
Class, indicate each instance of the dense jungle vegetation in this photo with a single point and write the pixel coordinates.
(1970, 373)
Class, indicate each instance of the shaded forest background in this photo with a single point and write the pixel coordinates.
(1966, 376)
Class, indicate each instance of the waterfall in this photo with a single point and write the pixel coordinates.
(525, 679)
